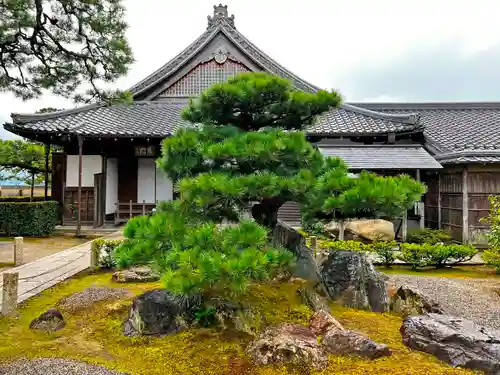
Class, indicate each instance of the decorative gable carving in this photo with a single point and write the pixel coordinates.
(205, 75)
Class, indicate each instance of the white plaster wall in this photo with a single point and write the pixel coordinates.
(111, 185)
(91, 164)
(164, 187)
(146, 180)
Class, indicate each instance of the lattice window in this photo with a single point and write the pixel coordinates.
(204, 76)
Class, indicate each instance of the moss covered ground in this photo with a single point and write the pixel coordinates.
(94, 335)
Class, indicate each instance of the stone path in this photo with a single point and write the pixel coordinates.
(41, 274)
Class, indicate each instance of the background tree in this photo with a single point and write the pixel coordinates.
(71, 48)
(23, 161)
(248, 148)
(336, 196)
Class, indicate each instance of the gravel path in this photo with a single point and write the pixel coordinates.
(54, 366)
(474, 299)
(89, 296)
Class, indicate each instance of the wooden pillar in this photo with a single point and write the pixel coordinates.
(421, 209)
(465, 206)
(104, 188)
(47, 152)
(79, 195)
(439, 202)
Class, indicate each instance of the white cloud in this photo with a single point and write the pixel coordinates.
(320, 40)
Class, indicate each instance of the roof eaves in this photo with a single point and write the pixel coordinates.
(456, 155)
(427, 105)
(23, 118)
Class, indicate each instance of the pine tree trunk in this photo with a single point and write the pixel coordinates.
(266, 212)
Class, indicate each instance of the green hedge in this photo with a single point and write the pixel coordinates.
(28, 218)
(23, 199)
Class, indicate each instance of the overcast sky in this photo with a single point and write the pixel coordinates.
(384, 50)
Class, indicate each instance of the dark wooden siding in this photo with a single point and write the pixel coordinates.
(451, 202)
(483, 181)
(71, 203)
(127, 179)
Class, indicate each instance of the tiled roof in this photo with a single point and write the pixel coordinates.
(158, 118)
(472, 128)
(146, 119)
(382, 157)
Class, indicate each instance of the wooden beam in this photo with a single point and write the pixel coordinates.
(79, 196)
(465, 206)
(47, 152)
(439, 201)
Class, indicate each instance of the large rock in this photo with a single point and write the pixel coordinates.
(373, 230)
(350, 279)
(342, 342)
(311, 298)
(288, 343)
(135, 275)
(410, 301)
(158, 312)
(322, 322)
(50, 321)
(305, 266)
(460, 342)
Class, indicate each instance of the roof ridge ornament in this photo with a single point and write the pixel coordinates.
(220, 15)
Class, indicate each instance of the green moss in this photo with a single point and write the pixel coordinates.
(461, 272)
(94, 335)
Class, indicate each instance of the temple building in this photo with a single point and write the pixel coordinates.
(453, 147)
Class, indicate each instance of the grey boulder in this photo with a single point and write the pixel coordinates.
(50, 321)
(159, 312)
(457, 341)
(135, 275)
(343, 342)
(410, 301)
(351, 280)
(288, 343)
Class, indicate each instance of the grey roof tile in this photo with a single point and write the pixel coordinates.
(451, 127)
(147, 119)
(382, 157)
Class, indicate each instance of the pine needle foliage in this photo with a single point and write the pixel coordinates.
(246, 146)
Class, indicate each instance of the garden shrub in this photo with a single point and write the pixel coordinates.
(105, 252)
(349, 245)
(417, 255)
(430, 236)
(24, 199)
(492, 256)
(439, 255)
(28, 218)
(442, 255)
(386, 251)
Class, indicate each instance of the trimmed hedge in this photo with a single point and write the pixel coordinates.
(28, 218)
(23, 199)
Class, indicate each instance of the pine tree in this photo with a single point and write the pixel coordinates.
(247, 148)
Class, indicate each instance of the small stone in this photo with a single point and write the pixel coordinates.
(50, 321)
(288, 343)
(136, 274)
(322, 322)
(343, 342)
(410, 301)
